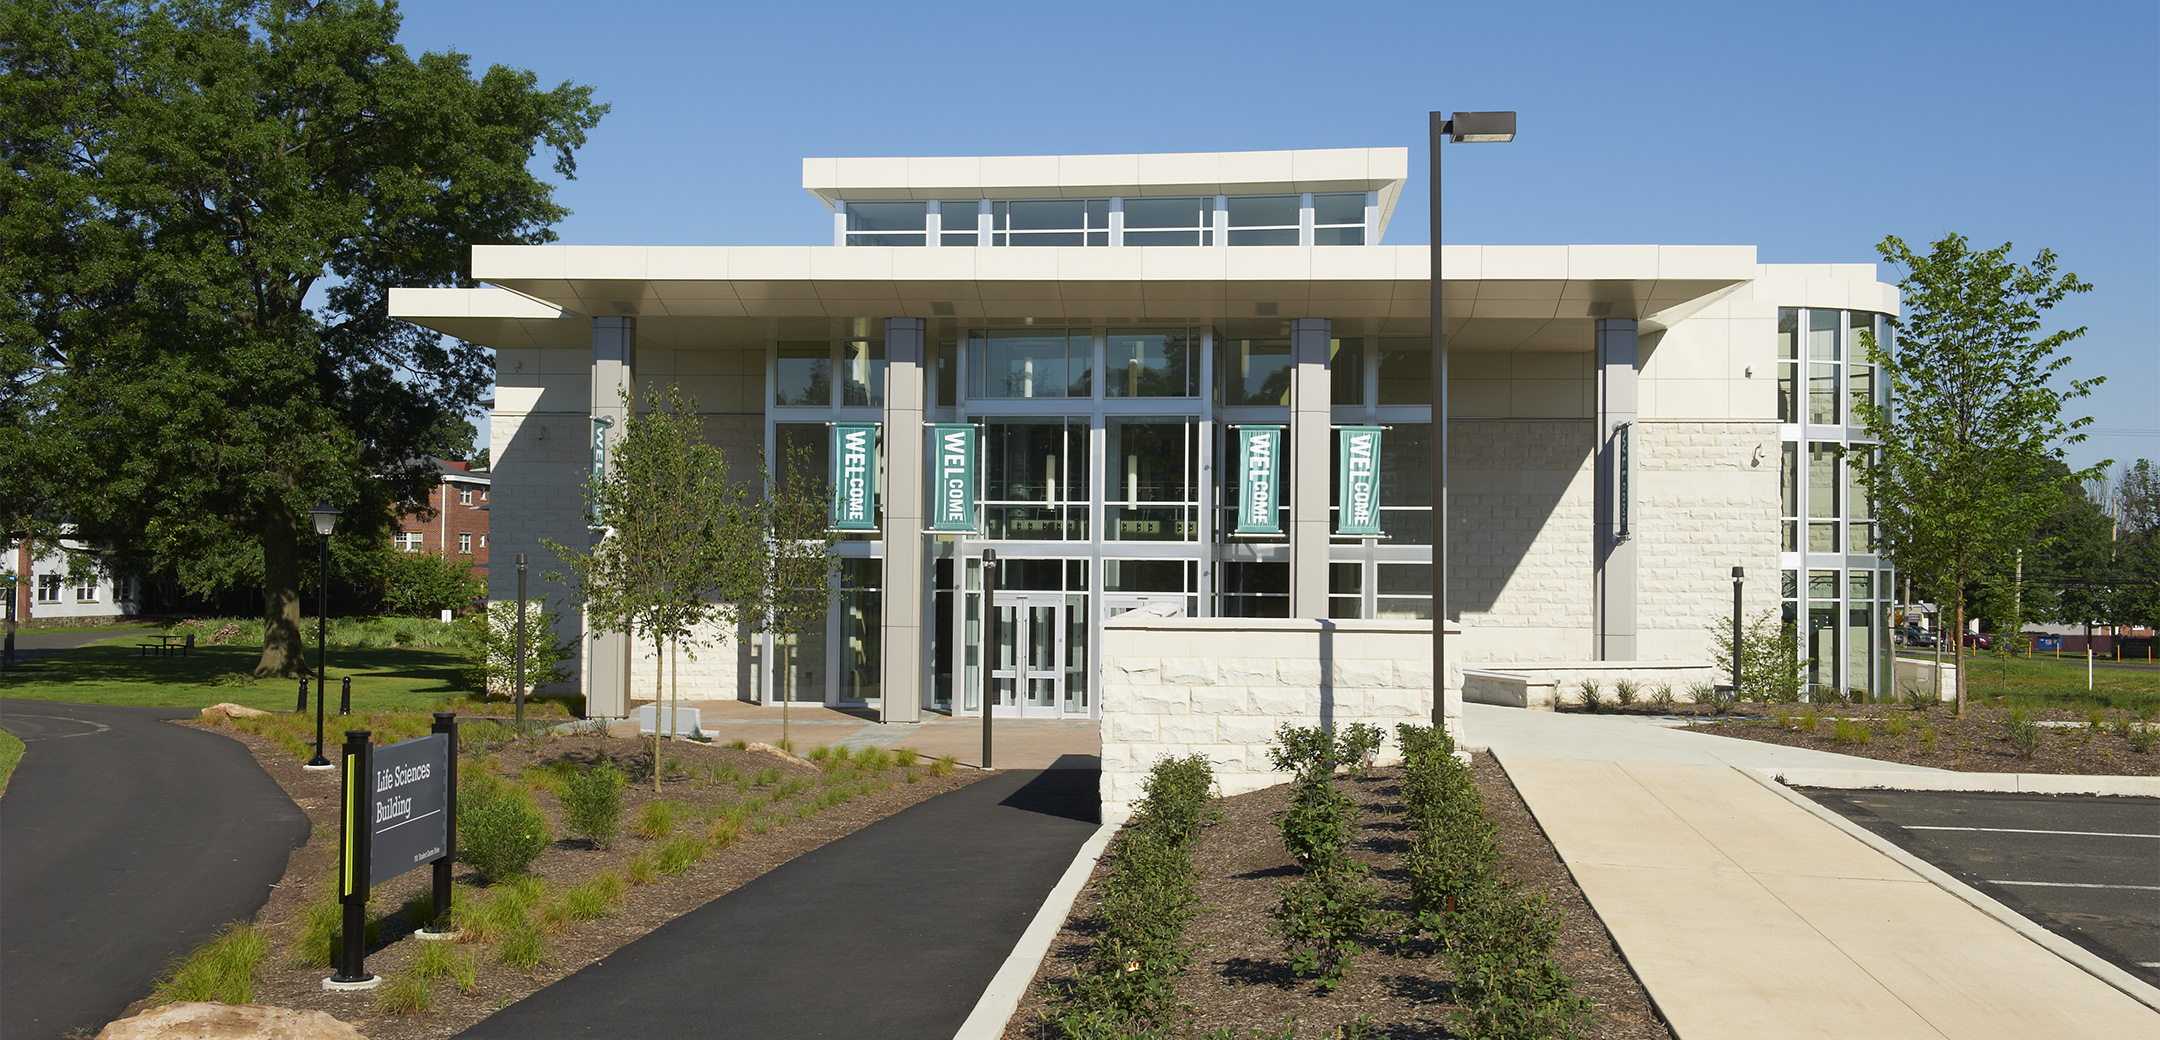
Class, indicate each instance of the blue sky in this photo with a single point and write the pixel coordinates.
(1809, 131)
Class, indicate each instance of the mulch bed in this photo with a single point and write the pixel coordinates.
(1977, 743)
(568, 862)
(1241, 978)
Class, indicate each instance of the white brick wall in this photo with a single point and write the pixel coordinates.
(1522, 498)
(1707, 502)
(1221, 686)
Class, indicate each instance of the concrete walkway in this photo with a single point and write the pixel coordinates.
(892, 932)
(1016, 743)
(1747, 917)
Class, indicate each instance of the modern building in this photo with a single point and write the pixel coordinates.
(454, 522)
(1120, 332)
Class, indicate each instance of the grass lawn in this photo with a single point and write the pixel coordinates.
(11, 749)
(114, 672)
(2042, 682)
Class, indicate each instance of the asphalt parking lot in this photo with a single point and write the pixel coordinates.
(2084, 866)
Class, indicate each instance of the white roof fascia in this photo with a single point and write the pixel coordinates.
(1383, 170)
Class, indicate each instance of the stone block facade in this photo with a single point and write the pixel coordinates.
(1221, 686)
(1707, 501)
(1522, 494)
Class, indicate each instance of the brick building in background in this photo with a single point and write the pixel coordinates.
(455, 522)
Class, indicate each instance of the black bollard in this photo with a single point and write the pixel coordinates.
(344, 701)
(302, 706)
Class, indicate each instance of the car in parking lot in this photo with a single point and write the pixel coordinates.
(1979, 641)
(1914, 635)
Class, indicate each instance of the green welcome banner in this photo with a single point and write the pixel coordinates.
(1259, 462)
(854, 462)
(952, 477)
(1357, 506)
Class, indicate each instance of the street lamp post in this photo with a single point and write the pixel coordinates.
(520, 690)
(1464, 128)
(325, 516)
(990, 647)
(1739, 577)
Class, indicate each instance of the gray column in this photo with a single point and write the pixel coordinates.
(614, 373)
(1311, 441)
(906, 591)
(1618, 355)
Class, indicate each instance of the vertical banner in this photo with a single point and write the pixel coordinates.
(1259, 456)
(952, 477)
(1623, 475)
(1357, 509)
(854, 470)
(600, 424)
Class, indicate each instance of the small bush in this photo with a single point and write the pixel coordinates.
(1592, 697)
(644, 868)
(656, 820)
(873, 760)
(1661, 701)
(2022, 733)
(405, 993)
(504, 910)
(1357, 744)
(592, 803)
(1500, 949)
(1898, 726)
(1928, 738)
(905, 757)
(768, 777)
(1624, 692)
(1809, 720)
(944, 765)
(523, 949)
(439, 960)
(1706, 694)
(2144, 738)
(914, 776)
(500, 831)
(222, 969)
(680, 854)
(595, 897)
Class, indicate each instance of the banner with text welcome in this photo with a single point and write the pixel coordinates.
(1357, 509)
(952, 477)
(854, 476)
(1259, 455)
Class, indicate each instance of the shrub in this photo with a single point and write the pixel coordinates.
(595, 897)
(1174, 800)
(2144, 738)
(1662, 700)
(500, 830)
(1705, 694)
(524, 949)
(680, 854)
(1322, 916)
(1452, 843)
(2022, 733)
(1624, 692)
(405, 993)
(1772, 669)
(221, 970)
(905, 757)
(1500, 949)
(656, 820)
(644, 869)
(489, 644)
(943, 766)
(1592, 698)
(592, 802)
(1356, 745)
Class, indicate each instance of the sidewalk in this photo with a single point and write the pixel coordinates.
(1016, 744)
(1747, 917)
(892, 932)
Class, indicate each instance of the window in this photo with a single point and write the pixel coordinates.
(1859, 373)
(1404, 591)
(86, 590)
(1339, 220)
(861, 619)
(1265, 220)
(887, 223)
(1406, 371)
(1859, 508)
(1405, 485)
(1140, 576)
(1169, 222)
(1153, 363)
(1789, 495)
(803, 375)
(464, 543)
(1253, 589)
(1788, 366)
(1030, 363)
(1051, 222)
(957, 222)
(1346, 366)
(1154, 470)
(464, 496)
(483, 540)
(1035, 478)
(1254, 371)
(1822, 494)
(862, 369)
(408, 541)
(1822, 376)
(48, 588)
(1346, 590)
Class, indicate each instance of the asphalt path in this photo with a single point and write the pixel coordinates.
(2085, 867)
(31, 644)
(124, 842)
(892, 932)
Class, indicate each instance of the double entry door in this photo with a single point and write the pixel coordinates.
(1036, 671)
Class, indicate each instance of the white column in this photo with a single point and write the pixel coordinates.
(1618, 351)
(614, 373)
(1311, 440)
(906, 595)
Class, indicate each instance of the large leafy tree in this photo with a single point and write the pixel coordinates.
(1973, 439)
(209, 202)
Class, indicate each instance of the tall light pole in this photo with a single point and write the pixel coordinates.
(520, 690)
(991, 648)
(1464, 128)
(325, 516)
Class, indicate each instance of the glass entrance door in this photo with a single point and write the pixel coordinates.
(1027, 676)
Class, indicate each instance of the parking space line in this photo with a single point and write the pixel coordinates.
(2022, 830)
(2074, 884)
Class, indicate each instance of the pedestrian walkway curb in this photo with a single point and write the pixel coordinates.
(2130, 985)
(1002, 997)
(2006, 783)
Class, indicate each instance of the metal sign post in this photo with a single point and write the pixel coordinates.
(990, 647)
(520, 691)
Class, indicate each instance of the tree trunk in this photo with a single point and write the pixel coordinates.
(284, 653)
(1957, 654)
(659, 701)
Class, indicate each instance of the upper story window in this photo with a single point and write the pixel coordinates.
(464, 543)
(1050, 222)
(464, 496)
(1031, 363)
(1170, 222)
(1152, 363)
(409, 541)
(1265, 220)
(887, 223)
(1339, 220)
(959, 222)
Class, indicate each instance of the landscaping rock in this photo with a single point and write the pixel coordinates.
(229, 710)
(789, 755)
(191, 1020)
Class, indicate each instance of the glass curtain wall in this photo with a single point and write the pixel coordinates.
(1836, 589)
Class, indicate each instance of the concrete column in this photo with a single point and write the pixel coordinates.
(614, 373)
(1311, 441)
(907, 590)
(1618, 361)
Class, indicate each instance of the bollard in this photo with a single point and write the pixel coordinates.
(302, 706)
(344, 701)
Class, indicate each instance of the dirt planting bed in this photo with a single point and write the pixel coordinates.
(1241, 977)
(794, 806)
(1986, 740)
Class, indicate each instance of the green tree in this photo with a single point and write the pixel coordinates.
(786, 586)
(420, 584)
(1975, 417)
(490, 648)
(2137, 517)
(679, 540)
(209, 203)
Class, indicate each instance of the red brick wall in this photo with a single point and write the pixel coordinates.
(451, 517)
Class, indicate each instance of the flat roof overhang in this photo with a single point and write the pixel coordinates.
(1498, 298)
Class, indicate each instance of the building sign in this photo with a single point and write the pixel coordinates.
(952, 477)
(1623, 476)
(854, 460)
(1357, 507)
(600, 424)
(1259, 479)
(409, 802)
